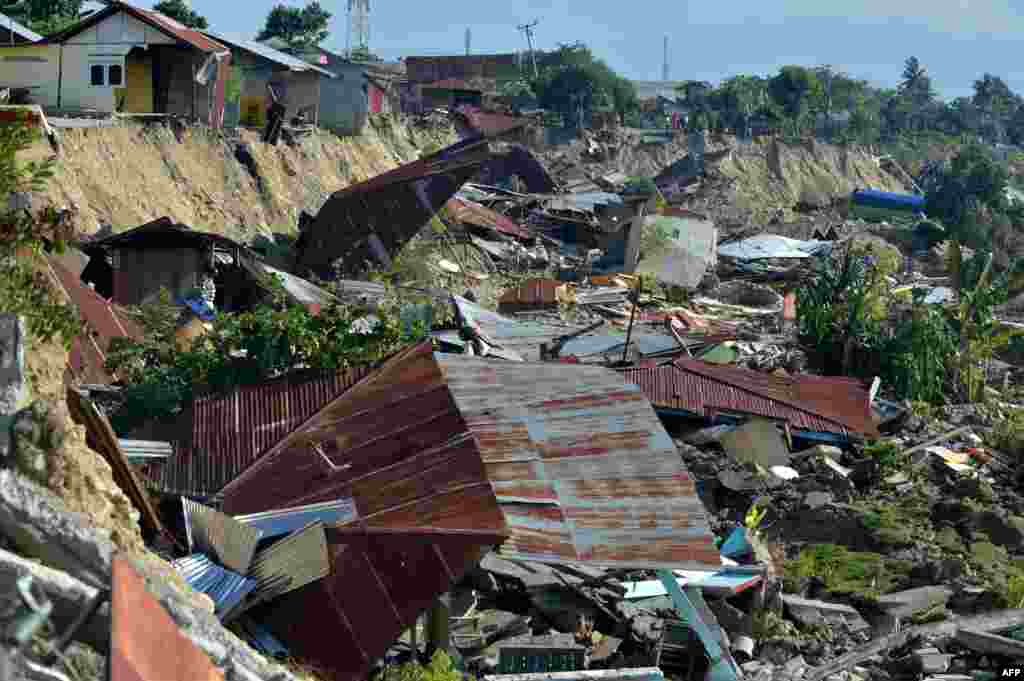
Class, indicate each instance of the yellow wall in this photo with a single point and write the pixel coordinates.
(138, 90)
(258, 104)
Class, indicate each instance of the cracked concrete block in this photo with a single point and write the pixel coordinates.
(38, 523)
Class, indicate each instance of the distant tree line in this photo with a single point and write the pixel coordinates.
(800, 100)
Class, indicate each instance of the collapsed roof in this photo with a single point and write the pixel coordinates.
(372, 220)
(564, 461)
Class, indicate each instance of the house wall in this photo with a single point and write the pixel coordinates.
(140, 273)
(344, 101)
(496, 67)
(299, 89)
(108, 42)
(34, 67)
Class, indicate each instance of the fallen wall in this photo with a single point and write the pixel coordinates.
(126, 176)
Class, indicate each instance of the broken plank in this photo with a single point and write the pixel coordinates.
(990, 644)
(937, 440)
(997, 621)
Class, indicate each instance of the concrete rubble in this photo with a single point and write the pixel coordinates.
(803, 527)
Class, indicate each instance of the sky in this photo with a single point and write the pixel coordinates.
(955, 40)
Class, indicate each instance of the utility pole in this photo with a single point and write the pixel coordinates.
(469, 39)
(528, 30)
(664, 63)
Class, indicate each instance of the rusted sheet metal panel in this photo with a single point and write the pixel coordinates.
(101, 438)
(145, 643)
(521, 338)
(532, 293)
(228, 433)
(490, 124)
(812, 403)
(602, 480)
(390, 208)
(395, 577)
(89, 350)
(424, 510)
(472, 213)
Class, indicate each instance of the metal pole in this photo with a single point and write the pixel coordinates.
(632, 316)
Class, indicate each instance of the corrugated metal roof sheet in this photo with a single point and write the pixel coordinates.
(812, 403)
(425, 510)
(225, 588)
(572, 463)
(88, 355)
(491, 124)
(451, 84)
(225, 434)
(159, 231)
(637, 674)
(278, 522)
(268, 52)
(290, 564)
(220, 536)
(19, 30)
(581, 465)
(145, 450)
(393, 207)
(521, 338)
(298, 288)
(470, 212)
(157, 20)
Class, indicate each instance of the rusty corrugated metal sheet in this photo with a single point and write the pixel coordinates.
(228, 433)
(491, 124)
(581, 465)
(391, 207)
(444, 457)
(532, 293)
(425, 511)
(88, 353)
(145, 643)
(472, 213)
(811, 403)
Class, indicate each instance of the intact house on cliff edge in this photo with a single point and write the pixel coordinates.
(131, 268)
(297, 84)
(358, 90)
(126, 59)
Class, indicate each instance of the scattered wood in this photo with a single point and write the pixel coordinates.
(990, 644)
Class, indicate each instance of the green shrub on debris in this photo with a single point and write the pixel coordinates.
(24, 288)
(246, 348)
(440, 668)
(844, 571)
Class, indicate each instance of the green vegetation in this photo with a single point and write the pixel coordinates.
(933, 353)
(845, 571)
(297, 28)
(571, 80)
(246, 348)
(24, 288)
(181, 12)
(440, 668)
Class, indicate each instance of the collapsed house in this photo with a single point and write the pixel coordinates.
(369, 222)
(131, 268)
(554, 463)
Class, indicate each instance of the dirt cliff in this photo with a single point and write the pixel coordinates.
(126, 176)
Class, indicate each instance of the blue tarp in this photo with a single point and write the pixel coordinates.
(888, 200)
(200, 307)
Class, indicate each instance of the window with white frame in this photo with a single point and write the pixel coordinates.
(105, 74)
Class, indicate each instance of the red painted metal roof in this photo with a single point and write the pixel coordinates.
(88, 354)
(158, 21)
(228, 433)
(145, 643)
(470, 212)
(814, 403)
(491, 124)
(445, 456)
